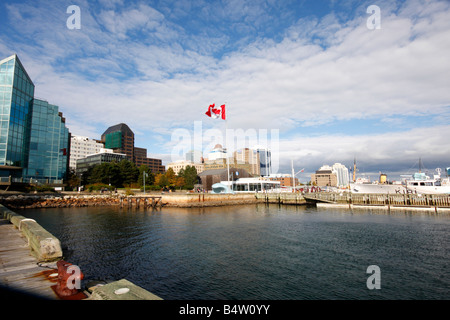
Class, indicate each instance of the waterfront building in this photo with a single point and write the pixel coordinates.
(210, 177)
(181, 165)
(120, 138)
(48, 157)
(34, 141)
(84, 164)
(80, 147)
(259, 184)
(324, 177)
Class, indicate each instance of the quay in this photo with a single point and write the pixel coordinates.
(155, 201)
(425, 202)
(27, 254)
(28, 265)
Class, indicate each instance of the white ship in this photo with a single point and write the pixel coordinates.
(418, 183)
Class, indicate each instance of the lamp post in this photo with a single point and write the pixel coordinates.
(144, 174)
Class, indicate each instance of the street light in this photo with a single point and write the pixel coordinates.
(144, 174)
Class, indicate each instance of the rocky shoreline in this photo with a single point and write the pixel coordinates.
(58, 201)
(32, 201)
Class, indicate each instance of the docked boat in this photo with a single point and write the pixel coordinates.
(418, 183)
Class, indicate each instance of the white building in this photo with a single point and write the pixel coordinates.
(178, 165)
(217, 153)
(80, 147)
(342, 174)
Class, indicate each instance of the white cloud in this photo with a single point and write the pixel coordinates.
(316, 71)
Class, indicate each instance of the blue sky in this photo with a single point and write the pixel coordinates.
(333, 88)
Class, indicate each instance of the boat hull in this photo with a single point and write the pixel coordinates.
(396, 188)
(377, 188)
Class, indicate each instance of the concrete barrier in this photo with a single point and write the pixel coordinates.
(121, 290)
(207, 199)
(43, 245)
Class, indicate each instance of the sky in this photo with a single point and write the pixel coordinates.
(315, 81)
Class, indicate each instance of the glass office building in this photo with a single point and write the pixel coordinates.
(49, 144)
(16, 102)
(265, 161)
(34, 142)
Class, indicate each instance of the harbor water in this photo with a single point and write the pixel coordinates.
(258, 252)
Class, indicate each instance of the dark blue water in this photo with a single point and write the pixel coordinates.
(258, 252)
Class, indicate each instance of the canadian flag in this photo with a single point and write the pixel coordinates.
(216, 113)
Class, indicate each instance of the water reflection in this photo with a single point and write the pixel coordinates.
(258, 251)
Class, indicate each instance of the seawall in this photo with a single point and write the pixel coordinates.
(43, 245)
(24, 201)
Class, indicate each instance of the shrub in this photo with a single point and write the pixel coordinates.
(97, 187)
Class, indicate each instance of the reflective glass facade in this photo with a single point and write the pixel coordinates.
(16, 102)
(34, 141)
(49, 139)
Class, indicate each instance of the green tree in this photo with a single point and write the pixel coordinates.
(73, 181)
(149, 179)
(129, 172)
(190, 177)
(179, 182)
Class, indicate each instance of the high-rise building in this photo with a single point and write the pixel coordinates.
(49, 144)
(80, 147)
(34, 141)
(265, 161)
(16, 106)
(250, 157)
(120, 138)
(342, 174)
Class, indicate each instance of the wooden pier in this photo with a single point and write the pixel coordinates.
(144, 201)
(418, 201)
(20, 271)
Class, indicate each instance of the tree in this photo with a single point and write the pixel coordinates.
(170, 175)
(73, 180)
(180, 182)
(190, 177)
(161, 180)
(150, 177)
(129, 172)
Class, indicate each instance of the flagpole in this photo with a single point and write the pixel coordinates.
(293, 175)
(228, 161)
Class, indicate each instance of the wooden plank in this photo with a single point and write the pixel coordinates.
(19, 270)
